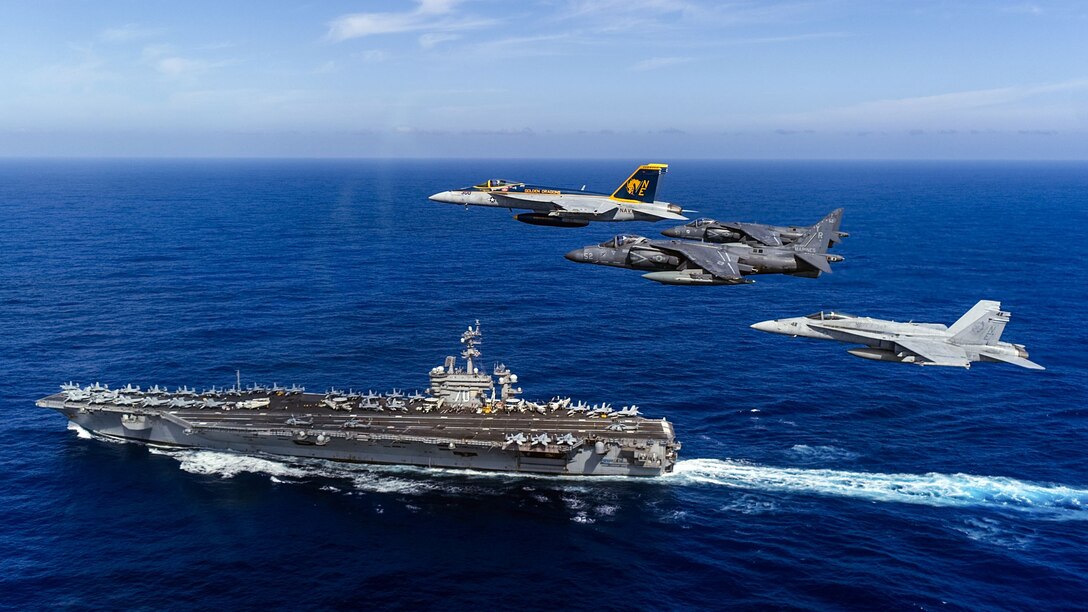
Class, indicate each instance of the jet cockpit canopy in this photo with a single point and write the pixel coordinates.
(829, 316)
(623, 240)
(497, 184)
(701, 222)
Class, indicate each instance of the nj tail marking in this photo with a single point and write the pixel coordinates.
(641, 186)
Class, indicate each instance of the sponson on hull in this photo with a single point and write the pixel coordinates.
(464, 420)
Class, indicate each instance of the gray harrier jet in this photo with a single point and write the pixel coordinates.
(976, 336)
(633, 200)
(682, 262)
(709, 230)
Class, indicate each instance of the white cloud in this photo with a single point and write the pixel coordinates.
(176, 66)
(956, 109)
(85, 72)
(784, 39)
(432, 39)
(645, 15)
(436, 6)
(128, 33)
(166, 60)
(627, 8)
(625, 15)
(658, 62)
(1024, 9)
(518, 47)
(152, 52)
(434, 15)
(966, 100)
(373, 56)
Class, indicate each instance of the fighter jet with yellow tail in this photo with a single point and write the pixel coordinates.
(633, 200)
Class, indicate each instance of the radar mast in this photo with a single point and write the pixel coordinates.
(470, 339)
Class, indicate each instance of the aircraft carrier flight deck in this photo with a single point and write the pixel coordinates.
(463, 421)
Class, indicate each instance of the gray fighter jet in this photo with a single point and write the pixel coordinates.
(633, 200)
(682, 262)
(709, 230)
(516, 439)
(976, 336)
(567, 439)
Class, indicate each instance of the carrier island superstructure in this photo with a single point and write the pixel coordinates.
(463, 420)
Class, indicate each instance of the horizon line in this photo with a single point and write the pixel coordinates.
(6, 157)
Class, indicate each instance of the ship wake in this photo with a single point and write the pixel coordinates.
(931, 489)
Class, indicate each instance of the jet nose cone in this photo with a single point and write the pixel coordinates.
(577, 255)
(672, 232)
(766, 326)
(442, 196)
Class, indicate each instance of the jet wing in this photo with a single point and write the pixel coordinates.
(756, 232)
(586, 208)
(712, 259)
(935, 352)
(595, 206)
(663, 214)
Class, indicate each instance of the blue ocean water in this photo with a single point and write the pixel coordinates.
(809, 479)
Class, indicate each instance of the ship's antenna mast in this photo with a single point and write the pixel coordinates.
(238, 380)
(470, 339)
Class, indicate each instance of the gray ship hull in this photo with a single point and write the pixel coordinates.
(626, 446)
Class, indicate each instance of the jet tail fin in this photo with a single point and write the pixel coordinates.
(983, 324)
(641, 186)
(820, 236)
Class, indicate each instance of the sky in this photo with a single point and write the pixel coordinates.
(792, 79)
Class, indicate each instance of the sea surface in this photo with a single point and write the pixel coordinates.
(809, 478)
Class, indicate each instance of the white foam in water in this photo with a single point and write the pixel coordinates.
(750, 504)
(379, 482)
(80, 432)
(930, 489)
(229, 465)
(991, 531)
(86, 434)
(573, 502)
(821, 453)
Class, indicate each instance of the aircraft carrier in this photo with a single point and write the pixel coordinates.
(464, 420)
